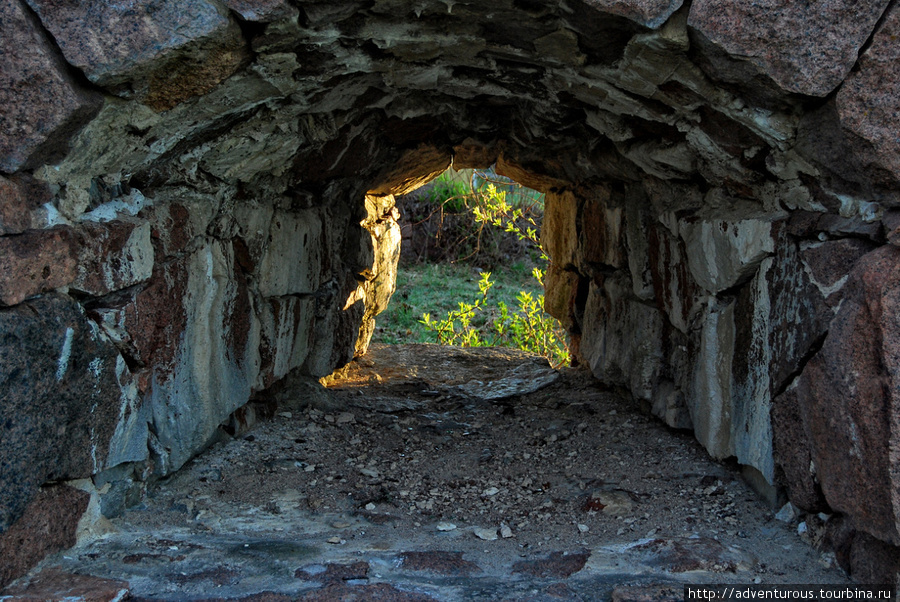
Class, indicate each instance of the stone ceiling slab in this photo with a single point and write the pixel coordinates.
(805, 47)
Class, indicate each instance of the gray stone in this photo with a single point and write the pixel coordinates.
(286, 325)
(651, 13)
(262, 10)
(726, 252)
(523, 379)
(622, 339)
(709, 399)
(292, 261)
(212, 368)
(674, 288)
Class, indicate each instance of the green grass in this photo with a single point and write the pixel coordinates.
(437, 289)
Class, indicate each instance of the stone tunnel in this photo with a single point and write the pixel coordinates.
(197, 199)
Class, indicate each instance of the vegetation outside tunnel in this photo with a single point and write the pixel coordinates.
(489, 291)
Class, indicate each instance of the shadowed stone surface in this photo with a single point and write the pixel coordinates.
(558, 565)
(58, 585)
(190, 45)
(651, 13)
(847, 396)
(15, 208)
(805, 48)
(868, 105)
(443, 563)
(43, 105)
(66, 419)
(226, 218)
(35, 262)
(261, 10)
(47, 525)
(112, 256)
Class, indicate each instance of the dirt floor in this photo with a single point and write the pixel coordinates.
(440, 473)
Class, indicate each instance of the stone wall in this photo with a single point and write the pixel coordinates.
(196, 199)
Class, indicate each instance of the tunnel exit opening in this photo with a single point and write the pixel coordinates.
(471, 267)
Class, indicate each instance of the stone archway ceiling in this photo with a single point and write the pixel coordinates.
(626, 72)
(196, 200)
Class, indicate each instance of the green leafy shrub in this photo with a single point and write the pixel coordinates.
(526, 327)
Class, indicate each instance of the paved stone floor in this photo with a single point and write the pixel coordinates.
(426, 474)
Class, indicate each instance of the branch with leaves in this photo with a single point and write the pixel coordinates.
(528, 326)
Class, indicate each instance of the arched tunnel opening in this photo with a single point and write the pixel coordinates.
(197, 214)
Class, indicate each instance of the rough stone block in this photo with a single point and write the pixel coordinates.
(848, 395)
(649, 13)
(709, 397)
(829, 263)
(286, 324)
(804, 48)
(622, 338)
(869, 106)
(798, 314)
(264, 146)
(751, 374)
(602, 232)
(560, 292)
(674, 288)
(873, 561)
(203, 354)
(42, 106)
(56, 584)
(159, 50)
(261, 10)
(292, 263)
(749, 346)
(637, 225)
(15, 213)
(669, 406)
(35, 262)
(112, 256)
(254, 223)
(176, 219)
(793, 453)
(47, 525)
(64, 393)
(724, 253)
(154, 320)
(559, 229)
